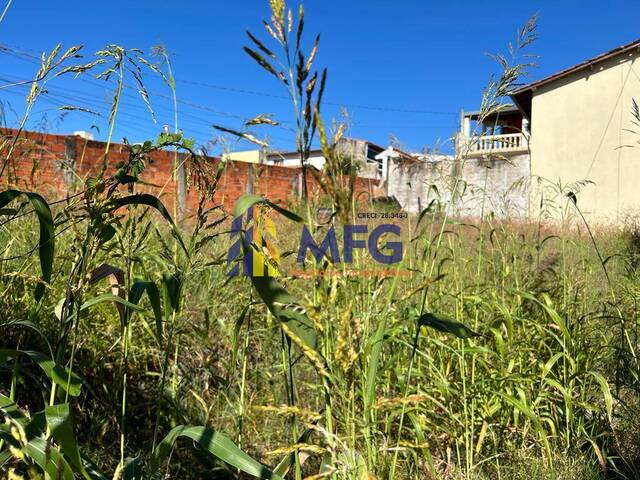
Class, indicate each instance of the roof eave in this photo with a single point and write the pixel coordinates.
(590, 63)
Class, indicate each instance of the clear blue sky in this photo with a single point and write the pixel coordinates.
(415, 55)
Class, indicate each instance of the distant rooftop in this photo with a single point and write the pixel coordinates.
(504, 109)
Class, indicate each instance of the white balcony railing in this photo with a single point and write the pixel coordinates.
(485, 144)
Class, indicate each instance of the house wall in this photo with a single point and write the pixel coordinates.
(293, 160)
(578, 132)
(55, 165)
(251, 156)
(356, 149)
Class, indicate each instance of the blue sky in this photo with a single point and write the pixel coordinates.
(412, 64)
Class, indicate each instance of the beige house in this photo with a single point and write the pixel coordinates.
(572, 131)
(581, 129)
(249, 156)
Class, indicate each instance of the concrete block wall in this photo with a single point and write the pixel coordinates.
(416, 183)
(485, 184)
(495, 184)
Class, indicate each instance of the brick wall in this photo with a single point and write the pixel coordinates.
(55, 165)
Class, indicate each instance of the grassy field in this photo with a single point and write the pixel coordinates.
(495, 349)
(548, 389)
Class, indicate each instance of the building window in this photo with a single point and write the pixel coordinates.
(371, 158)
(372, 152)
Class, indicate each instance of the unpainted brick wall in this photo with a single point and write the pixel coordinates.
(56, 165)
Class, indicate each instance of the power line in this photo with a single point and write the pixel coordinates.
(25, 56)
(7, 48)
(54, 101)
(91, 99)
(32, 59)
(56, 98)
(335, 104)
(6, 9)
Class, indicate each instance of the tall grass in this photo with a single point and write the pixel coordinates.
(508, 351)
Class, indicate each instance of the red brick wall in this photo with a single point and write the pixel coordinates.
(38, 164)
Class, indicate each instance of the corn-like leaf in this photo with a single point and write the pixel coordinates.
(46, 243)
(62, 376)
(546, 304)
(9, 408)
(424, 211)
(217, 444)
(33, 425)
(49, 459)
(447, 325)
(93, 470)
(106, 297)
(116, 280)
(135, 294)
(282, 305)
(61, 427)
(247, 201)
(132, 469)
(5, 456)
(109, 297)
(286, 309)
(151, 201)
(375, 354)
(606, 393)
(520, 405)
(30, 325)
(172, 291)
